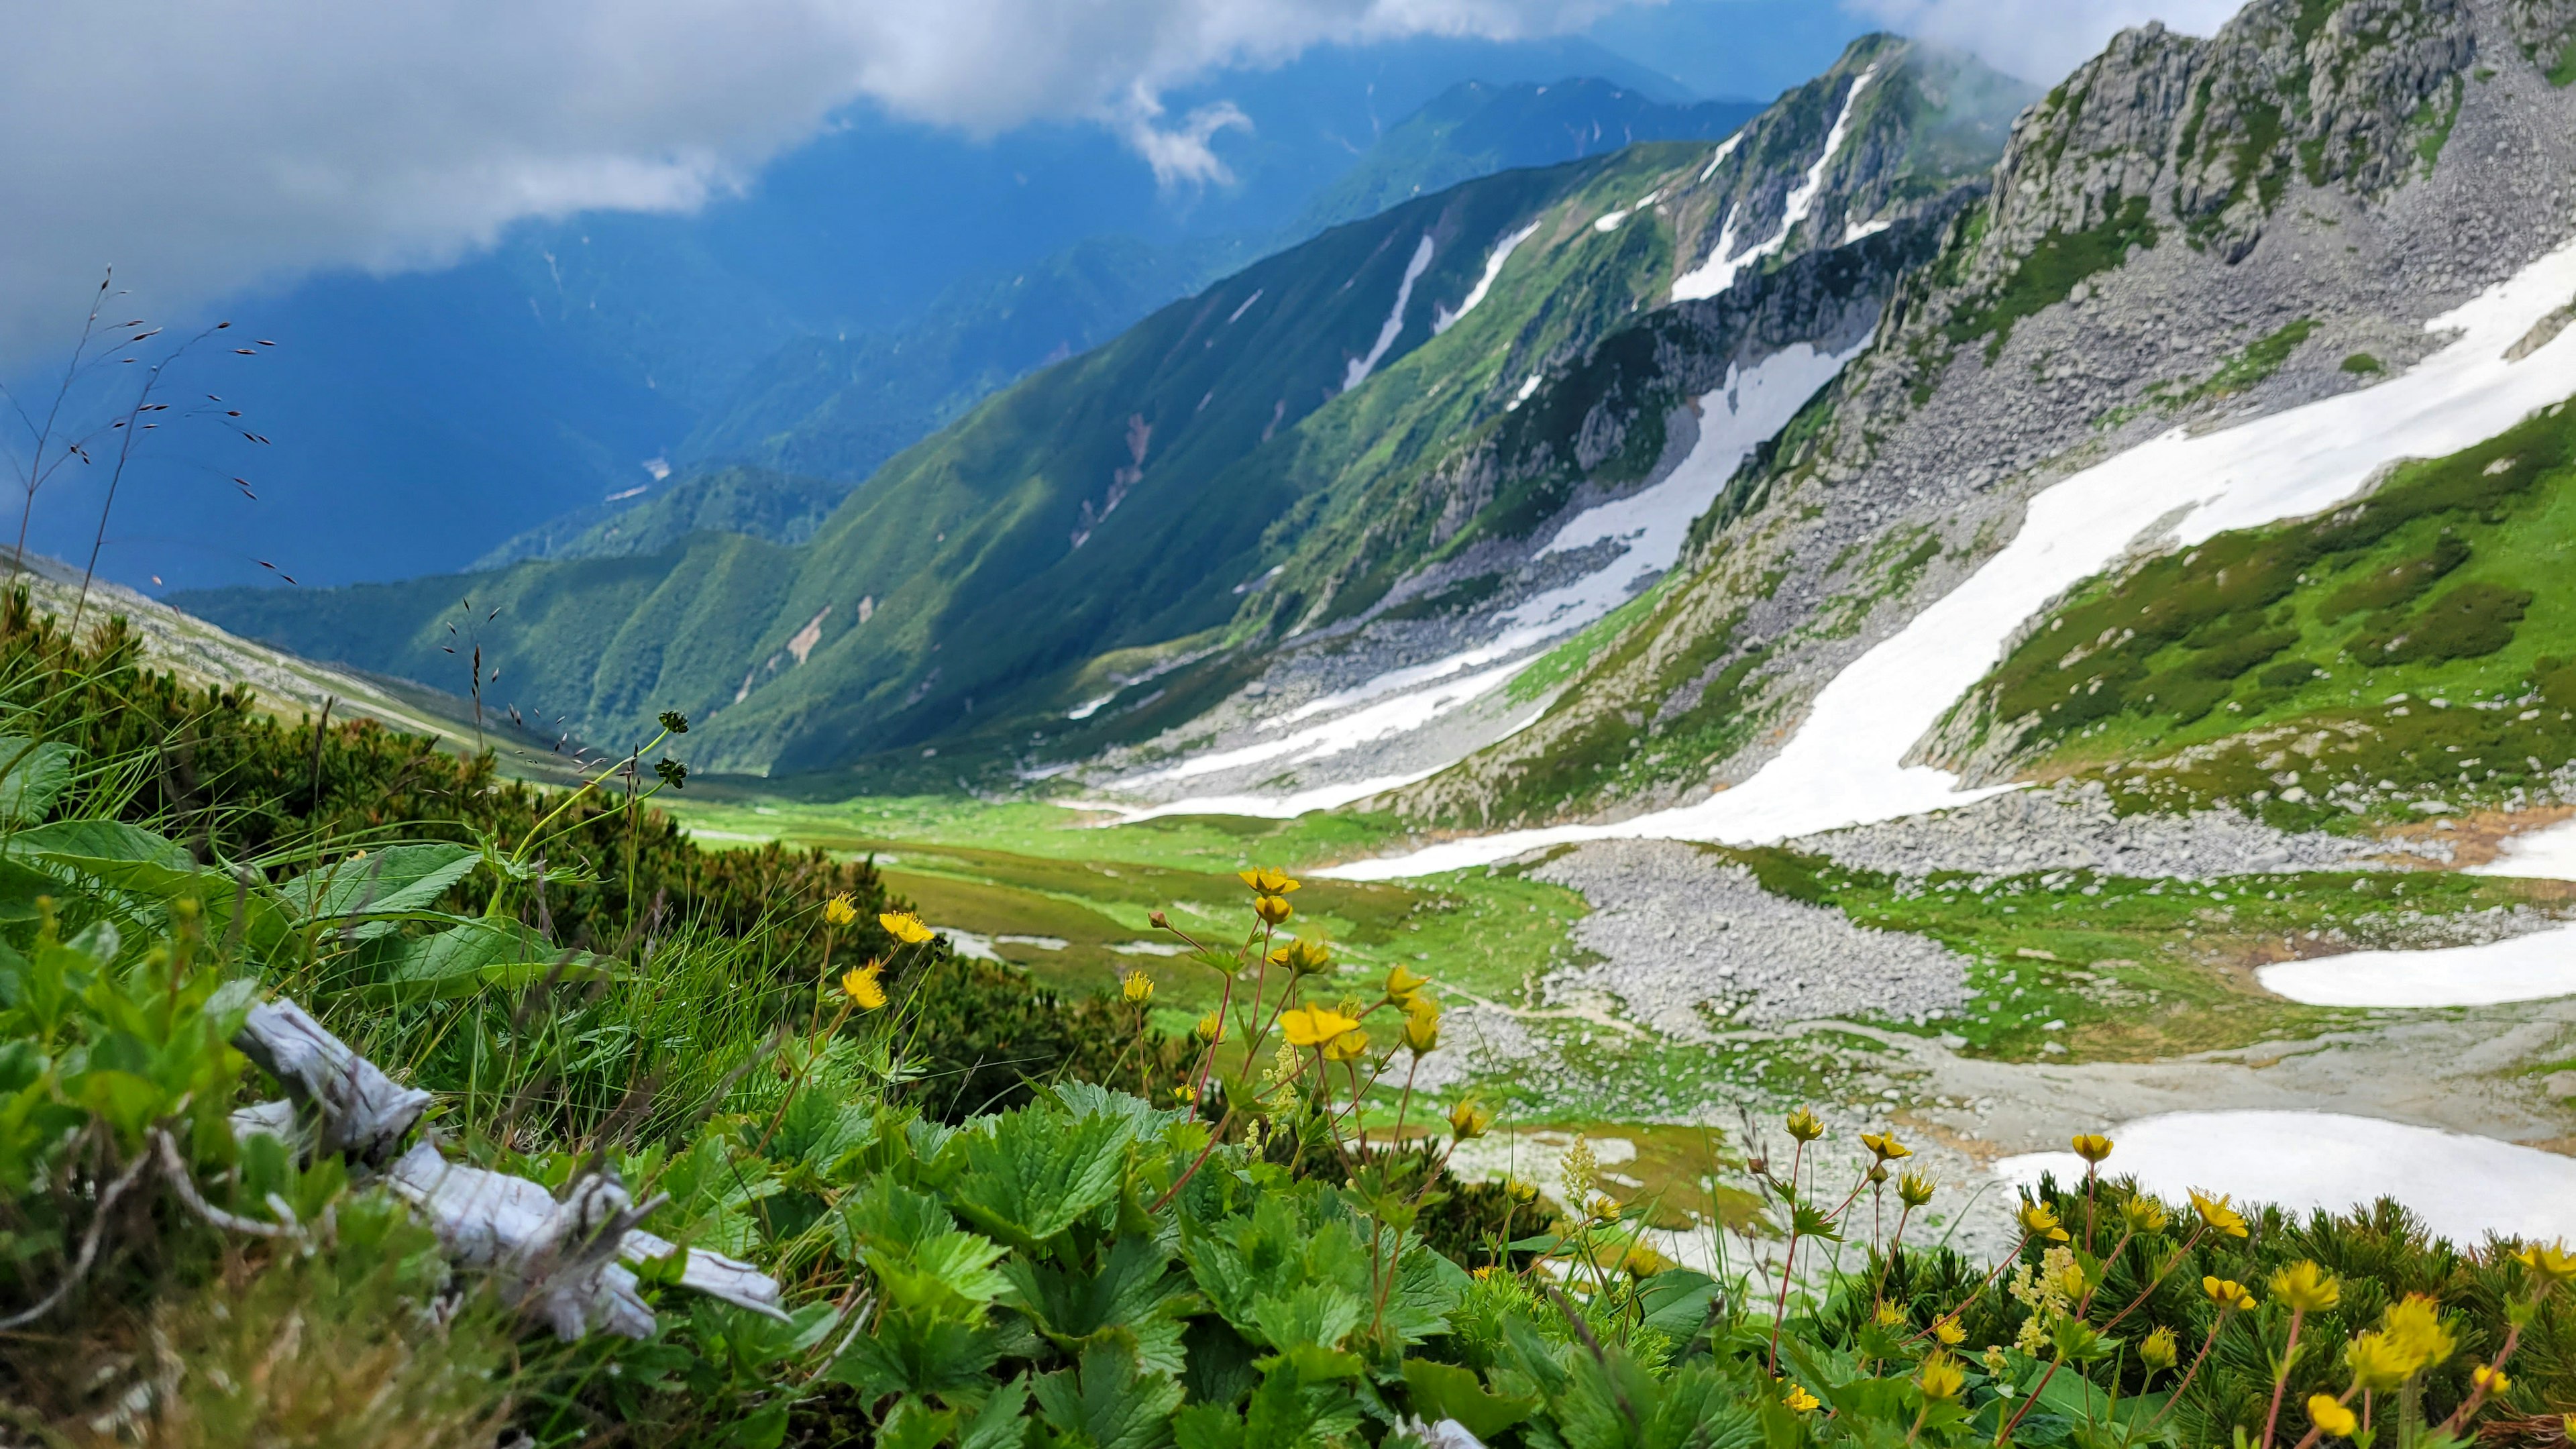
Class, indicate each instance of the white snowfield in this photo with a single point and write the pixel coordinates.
(2463, 1187)
(1719, 272)
(1843, 765)
(1651, 524)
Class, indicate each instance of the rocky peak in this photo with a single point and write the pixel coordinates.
(2209, 134)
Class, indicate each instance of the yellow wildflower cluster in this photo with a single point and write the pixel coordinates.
(2411, 1338)
(1269, 894)
(865, 987)
(1941, 1377)
(839, 911)
(2049, 1290)
(2306, 1287)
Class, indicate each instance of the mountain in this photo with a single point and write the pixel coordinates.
(422, 418)
(2262, 239)
(842, 406)
(1244, 467)
(1476, 128)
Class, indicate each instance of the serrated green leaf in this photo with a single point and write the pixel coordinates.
(1030, 1174)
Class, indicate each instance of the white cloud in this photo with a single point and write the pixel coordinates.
(205, 146)
(2039, 40)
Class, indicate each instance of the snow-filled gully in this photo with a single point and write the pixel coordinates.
(1653, 524)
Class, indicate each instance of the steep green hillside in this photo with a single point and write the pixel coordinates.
(1115, 499)
(762, 502)
(2410, 654)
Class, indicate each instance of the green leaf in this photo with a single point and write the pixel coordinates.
(1134, 1293)
(997, 1424)
(391, 881)
(32, 776)
(1445, 1391)
(1108, 1401)
(1676, 1303)
(1030, 1175)
(463, 960)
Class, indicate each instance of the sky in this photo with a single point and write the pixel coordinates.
(225, 143)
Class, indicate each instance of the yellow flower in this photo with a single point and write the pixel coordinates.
(1802, 1124)
(2414, 1325)
(1185, 1094)
(2331, 1418)
(1996, 1360)
(1138, 988)
(1346, 1047)
(904, 926)
(2156, 1350)
(1799, 1400)
(2039, 1220)
(2144, 1215)
(1941, 1377)
(1266, 882)
(2215, 1212)
(1401, 984)
(1211, 1028)
(1889, 1315)
(1914, 1189)
(2306, 1287)
(1483, 1273)
(2227, 1293)
(2376, 1363)
(1422, 1027)
(863, 987)
(2092, 1146)
(1310, 1026)
(1949, 1333)
(1467, 1122)
(2490, 1378)
(1885, 1146)
(838, 911)
(1272, 909)
(2550, 1261)
(1302, 957)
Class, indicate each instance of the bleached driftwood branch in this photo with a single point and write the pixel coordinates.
(559, 1260)
(362, 1113)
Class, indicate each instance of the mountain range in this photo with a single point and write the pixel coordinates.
(1188, 494)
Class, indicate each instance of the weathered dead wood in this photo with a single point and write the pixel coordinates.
(558, 1260)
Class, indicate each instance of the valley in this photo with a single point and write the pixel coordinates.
(2008, 635)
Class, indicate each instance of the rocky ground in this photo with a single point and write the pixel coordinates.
(1687, 939)
(2074, 827)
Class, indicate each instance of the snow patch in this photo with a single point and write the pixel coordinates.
(1442, 319)
(1843, 766)
(1724, 150)
(1859, 229)
(2463, 1187)
(2519, 968)
(1393, 327)
(2542, 855)
(1609, 222)
(1529, 386)
(1237, 314)
(1719, 272)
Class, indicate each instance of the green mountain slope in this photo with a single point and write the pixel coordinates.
(762, 502)
(2411, 655)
